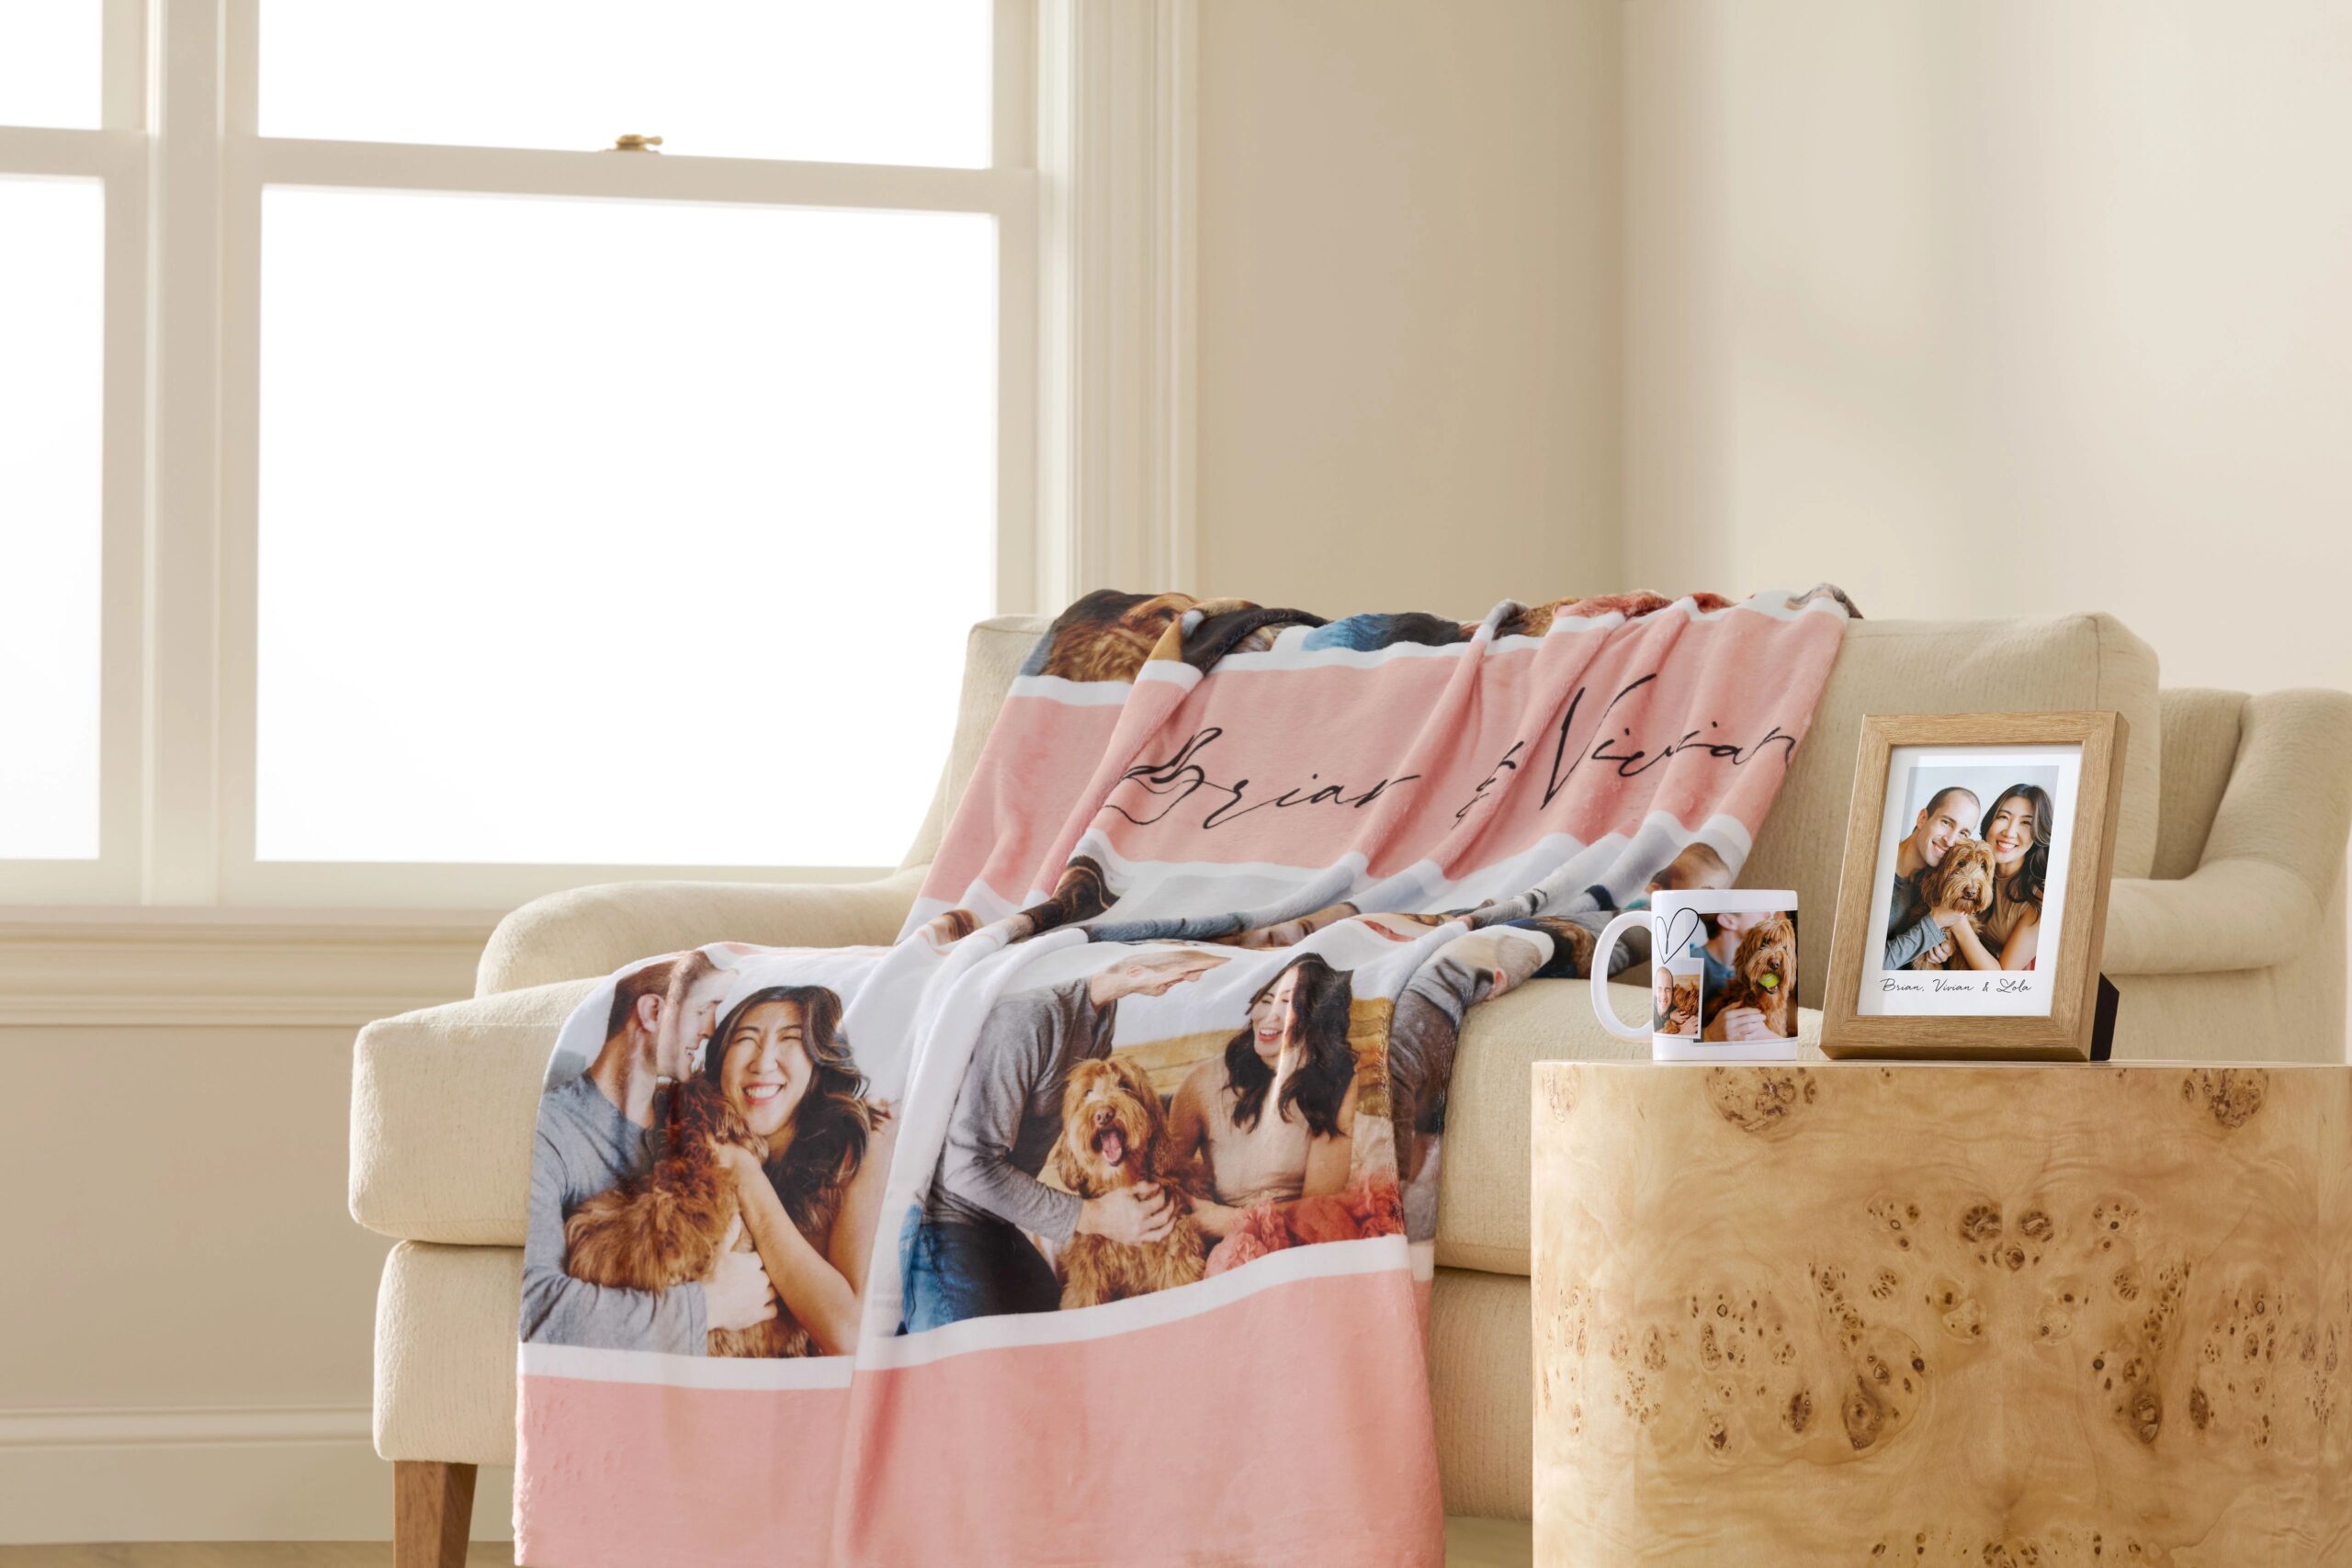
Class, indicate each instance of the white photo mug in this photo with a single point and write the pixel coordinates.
(1723, 974)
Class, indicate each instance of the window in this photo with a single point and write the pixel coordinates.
(73, 183)
(649, 600)
(474, 511)
(52, 342)
(873, 81)
(52, 73)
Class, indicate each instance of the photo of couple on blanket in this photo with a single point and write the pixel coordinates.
(724, 1136)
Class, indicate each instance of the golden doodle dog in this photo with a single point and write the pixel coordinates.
(1107, 636)
(1763, 976)
(1962, 882)
(1682, 1012)
(1115, 1134)
(665, 1228)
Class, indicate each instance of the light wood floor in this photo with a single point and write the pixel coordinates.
(236, 1554)
(1469, 1543)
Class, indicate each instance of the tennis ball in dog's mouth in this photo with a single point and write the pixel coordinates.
(1771, 982)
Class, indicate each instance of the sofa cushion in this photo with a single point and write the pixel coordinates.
(446, 1318)
(1482, 1392)
(1483, 1193)
(2056, 663)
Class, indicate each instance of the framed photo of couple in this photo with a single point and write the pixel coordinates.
(1973, 902)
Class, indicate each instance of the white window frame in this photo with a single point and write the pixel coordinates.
(1090, 183)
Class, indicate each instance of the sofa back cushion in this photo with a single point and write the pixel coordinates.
(2060, 662)
(1886, 667)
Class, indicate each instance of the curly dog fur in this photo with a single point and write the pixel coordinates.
(1763, 976)
(1962, 881)
(1107, 635)
(664, 1228)
(1682, 1011)
(1115, 1134)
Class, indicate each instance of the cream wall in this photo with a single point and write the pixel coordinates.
(1408, 252)
(1999, 307)
(1992, 307)
(188, 1309)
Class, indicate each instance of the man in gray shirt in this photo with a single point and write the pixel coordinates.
(593, 1135)
(1943, 821)
(966, 1255)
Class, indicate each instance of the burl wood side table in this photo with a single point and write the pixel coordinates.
(1865, 1313)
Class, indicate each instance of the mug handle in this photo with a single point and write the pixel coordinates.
(1602, 952)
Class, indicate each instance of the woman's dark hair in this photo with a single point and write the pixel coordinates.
(1318, 1005)
(2033, 867)
(829, 1124)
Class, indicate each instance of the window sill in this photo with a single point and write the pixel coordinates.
(148, 967)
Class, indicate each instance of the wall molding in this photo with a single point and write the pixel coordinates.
(197, 968)
(1116, 140)
(289, 1472)
(181, 1425)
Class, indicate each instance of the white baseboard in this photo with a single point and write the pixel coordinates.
(235, 1474)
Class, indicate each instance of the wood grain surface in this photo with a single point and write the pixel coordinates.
(2001, 1315)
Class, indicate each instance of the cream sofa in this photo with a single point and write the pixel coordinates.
(2226, 938)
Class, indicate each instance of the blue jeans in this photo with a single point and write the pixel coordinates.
(958, 1269)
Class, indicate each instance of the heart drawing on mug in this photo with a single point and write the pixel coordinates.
(1681, 925)
(1723, 982)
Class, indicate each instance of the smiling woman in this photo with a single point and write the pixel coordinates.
(1271, 1116)
(780, 1059)
(768, 1169)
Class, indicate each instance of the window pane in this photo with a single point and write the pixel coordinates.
(605, 532)
(49, 61)
(846, 81)
(53, 322)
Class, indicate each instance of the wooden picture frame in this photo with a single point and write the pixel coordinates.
(1974, 1013)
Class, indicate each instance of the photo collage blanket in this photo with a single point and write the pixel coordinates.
(1092, 1220)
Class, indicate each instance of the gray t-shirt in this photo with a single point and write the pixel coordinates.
(1009, 1111)
(1909, 931)
(586, 1147)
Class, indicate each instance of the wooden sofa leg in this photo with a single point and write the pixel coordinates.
(432, 1505)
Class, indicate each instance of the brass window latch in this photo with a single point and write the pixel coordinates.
(634, 143)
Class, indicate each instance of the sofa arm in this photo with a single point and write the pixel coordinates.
(443, 1103)
(2272, 861)
(594, 930)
